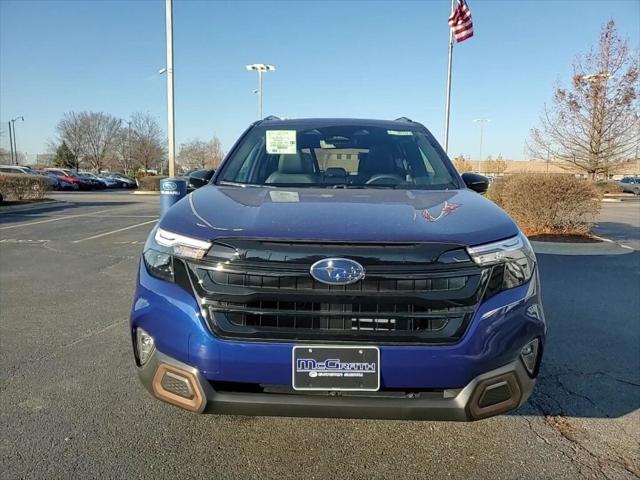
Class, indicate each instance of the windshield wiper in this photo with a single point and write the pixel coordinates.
(378, 186)
(227, 183)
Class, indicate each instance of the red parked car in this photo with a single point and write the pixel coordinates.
(67, 176)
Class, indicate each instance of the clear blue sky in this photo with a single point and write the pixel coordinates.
(380, 59)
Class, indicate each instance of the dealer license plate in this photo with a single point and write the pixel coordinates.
(345, 368)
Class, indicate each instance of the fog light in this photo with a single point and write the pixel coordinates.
(145, 345)
(529, 355)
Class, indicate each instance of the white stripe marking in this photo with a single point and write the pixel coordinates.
(100, 235)
(53, 219)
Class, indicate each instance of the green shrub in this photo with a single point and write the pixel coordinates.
(16, 186)
(605, 187)
(150, 183)
(547, 204)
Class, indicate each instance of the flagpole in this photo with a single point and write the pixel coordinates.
(448, 103)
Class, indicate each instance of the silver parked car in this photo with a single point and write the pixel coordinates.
(630, 185)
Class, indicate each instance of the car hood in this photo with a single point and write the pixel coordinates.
(343, 215)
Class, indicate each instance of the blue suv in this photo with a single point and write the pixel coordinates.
(339, 268)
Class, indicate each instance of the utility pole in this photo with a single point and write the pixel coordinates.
(260, 68)
(481, 121)
(129, 144)
(171, 142)
(11, 143)
(15, 144)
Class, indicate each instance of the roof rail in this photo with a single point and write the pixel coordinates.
(403, 119)
(272, 117)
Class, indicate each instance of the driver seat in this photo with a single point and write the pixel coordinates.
(379, 161)
(293, 168)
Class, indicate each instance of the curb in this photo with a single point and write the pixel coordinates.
(33, 206)
(580, 248)
(606, 247)
(143, 192)
(604, 239)
(611, 200)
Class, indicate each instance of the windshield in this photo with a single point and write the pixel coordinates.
(348, 156)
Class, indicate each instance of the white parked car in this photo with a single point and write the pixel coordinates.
(16, 169)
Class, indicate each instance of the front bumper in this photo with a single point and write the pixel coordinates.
(439, 382)
(476, 400)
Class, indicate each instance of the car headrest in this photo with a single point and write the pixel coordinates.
(335, 172)
(295, 163)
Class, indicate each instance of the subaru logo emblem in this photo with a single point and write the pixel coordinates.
(337, 271)
(169, 186)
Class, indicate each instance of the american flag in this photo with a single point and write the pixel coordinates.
(460, 22)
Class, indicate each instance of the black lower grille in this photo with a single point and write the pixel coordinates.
(376, 317)
(265, 296)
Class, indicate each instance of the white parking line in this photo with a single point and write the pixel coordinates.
(57, 219)
(100, 235)
(36, 215)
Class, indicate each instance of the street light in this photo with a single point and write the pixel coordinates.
(10, 143)
(260, 68)
(15, 145)
(171, 133)
(481, 121)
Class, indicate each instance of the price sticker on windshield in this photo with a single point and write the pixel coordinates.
(282, 142)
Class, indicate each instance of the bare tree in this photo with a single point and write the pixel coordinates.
(462, 164)
(71, 130)
(90, 136)
(594, 126)
(5, 156)
(101, 131)
(122, 152)
(145, 141)
(199, 154)
(495, 166)
(216, 154)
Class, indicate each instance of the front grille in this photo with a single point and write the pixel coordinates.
(255, 293)
(306, 282)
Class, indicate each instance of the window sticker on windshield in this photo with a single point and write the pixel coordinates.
(400, 132)
(281, 142)
(280, 196)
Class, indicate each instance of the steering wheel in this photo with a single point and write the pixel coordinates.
(384, 176)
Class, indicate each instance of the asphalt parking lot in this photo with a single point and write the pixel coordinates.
(72, 406)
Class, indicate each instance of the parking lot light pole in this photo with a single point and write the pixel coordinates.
(15, 145)
(481, 121)
(260, 68)
(11, 161)
(171, 134)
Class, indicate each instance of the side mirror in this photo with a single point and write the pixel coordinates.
(477, 183)
(200, 178)
(196, 182)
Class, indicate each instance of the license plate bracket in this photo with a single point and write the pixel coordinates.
(335, 368)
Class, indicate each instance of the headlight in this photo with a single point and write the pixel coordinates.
(181, 245)
(161, 248)
(159, 264)
(515, 254)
